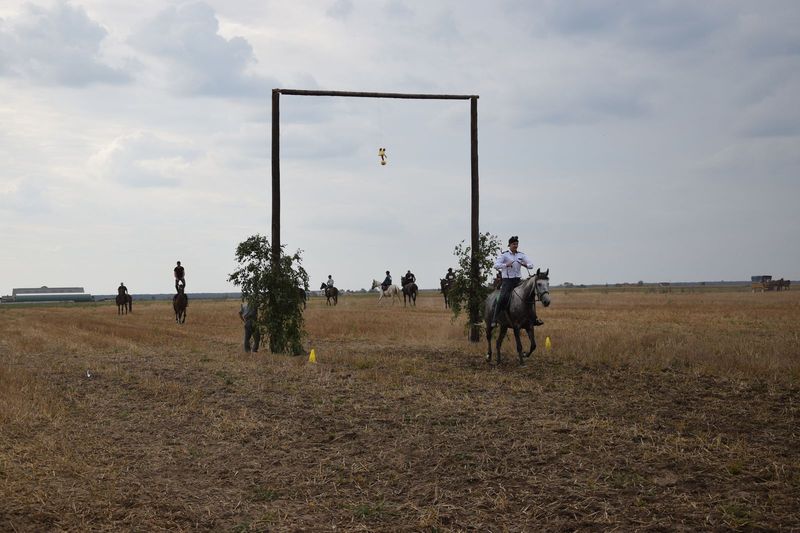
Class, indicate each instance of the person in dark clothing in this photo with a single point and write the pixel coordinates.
(248, 313)
(122, 290)
(180, 276)
(386, 281)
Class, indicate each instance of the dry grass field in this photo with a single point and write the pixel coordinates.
(651, 412)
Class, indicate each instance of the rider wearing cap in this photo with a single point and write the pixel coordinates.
(509, 265)
(386, 281)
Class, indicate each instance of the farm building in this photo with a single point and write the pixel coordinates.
(766, 283)
(48, 294)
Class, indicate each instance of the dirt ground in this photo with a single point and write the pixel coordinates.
(137, 423)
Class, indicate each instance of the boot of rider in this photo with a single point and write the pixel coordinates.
(536, 320)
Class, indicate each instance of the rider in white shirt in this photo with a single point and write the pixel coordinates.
(509, 264)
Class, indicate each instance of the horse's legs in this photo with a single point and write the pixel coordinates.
(500, 337)
(529, 331)
(489, 342)
(519, 345)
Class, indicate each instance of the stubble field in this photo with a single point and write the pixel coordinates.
(651, 412)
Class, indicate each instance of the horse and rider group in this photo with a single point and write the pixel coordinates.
(512, 303)
(179, 302)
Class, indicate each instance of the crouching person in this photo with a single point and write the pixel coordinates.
(249, 315)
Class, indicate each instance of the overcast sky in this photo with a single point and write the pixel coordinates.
(621, 140)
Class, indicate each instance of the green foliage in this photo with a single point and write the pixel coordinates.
(277, 289)
(462, 287)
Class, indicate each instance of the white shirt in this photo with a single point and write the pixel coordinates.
(509, 263)
(330, 282)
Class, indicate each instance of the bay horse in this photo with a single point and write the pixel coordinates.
(520, 315)
(179, 303)
(392, 291)
(410, 293)
(444, 286)
(331, 293)
(124, 304)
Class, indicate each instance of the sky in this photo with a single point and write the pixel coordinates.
(621, 140)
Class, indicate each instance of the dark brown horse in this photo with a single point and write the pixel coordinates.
(179, 303)
(331, 293)
(410, 293)
(520, 314)
(444, 286)
(124, 304)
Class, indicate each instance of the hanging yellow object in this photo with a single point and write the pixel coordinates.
(547, 344)
(382, 155)
(312, 357)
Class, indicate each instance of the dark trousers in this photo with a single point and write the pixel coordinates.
(508, 285)
(251, 331)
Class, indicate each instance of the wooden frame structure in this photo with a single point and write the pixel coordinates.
(473, 306)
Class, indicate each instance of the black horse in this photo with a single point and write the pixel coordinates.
(410, 293)
(179, 303)
(521, 313)
(124, 304)
(444, 286)
(331, 293)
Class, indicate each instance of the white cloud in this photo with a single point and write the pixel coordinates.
(185, 40)
(58, 46)
(142, 159)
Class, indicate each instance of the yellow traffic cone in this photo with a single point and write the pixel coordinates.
(547, 344)
(312, 358)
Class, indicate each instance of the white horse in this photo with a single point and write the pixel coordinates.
(392, 291)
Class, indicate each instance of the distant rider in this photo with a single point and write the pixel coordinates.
(122, 290)
(329, 283)
(450, 276)
(180, 276)
(386, 282)
(409, 278)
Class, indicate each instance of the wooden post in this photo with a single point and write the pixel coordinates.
(473, 304)
(276, 176)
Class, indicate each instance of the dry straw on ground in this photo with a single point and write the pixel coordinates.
(652, 411)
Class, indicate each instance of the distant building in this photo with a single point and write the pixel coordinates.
(48, 294)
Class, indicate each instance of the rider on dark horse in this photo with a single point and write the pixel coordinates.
(122, 290)
(329, 283)
(508, 264)
(180, 278)
(386, 282)
(409, 278)
(450, 276)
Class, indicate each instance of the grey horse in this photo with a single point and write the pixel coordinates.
(520, 313)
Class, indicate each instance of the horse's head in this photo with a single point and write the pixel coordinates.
(374, 284)
(543, 286)
(323, 287)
